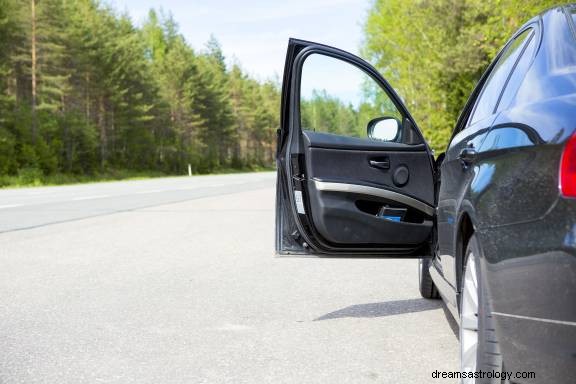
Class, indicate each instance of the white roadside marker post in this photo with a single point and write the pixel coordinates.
(189, 170)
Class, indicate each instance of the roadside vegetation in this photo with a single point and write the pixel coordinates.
(32, 177)
(86, 95)
(434, 52)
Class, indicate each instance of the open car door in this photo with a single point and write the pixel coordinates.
(355, 175)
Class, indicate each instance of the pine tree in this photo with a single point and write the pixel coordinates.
(82, 90)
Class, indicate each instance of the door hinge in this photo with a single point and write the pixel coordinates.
(300, 177)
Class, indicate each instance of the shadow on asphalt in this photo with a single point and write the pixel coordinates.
(386, 308)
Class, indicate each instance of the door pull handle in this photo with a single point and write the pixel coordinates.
(385, 164)
(467, 156)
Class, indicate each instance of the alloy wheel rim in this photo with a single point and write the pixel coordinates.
(469, 319)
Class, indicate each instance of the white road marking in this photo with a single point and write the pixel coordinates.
(90, 197)
(36, 193)
(10, 206)
(149, 191)
(213, 185)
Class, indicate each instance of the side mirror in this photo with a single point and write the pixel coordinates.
(383, 129)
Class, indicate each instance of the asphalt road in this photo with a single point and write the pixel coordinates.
(175, 281)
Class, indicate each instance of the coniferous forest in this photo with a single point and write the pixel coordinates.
(83, 91)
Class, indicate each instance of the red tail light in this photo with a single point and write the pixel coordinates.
(568, 168)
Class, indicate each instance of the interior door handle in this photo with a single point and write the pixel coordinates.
(467, 155)
(381, 164)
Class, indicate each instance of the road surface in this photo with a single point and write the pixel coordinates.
(175, 281)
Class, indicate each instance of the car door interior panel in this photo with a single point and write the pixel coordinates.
(358, 178)
(377, 196)
(332, 141)
(351, 218)
(392, 166)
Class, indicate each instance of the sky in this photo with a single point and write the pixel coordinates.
(318, 75)
(255, 32)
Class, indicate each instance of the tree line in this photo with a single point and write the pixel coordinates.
(323, 112)
(434, 52)
(84, 91)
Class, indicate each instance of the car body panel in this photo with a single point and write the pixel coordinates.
(530, 269)
(527, 231)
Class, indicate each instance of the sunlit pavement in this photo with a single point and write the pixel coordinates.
(175, 281)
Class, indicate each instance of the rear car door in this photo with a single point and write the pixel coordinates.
(355, 175)
(467, 165)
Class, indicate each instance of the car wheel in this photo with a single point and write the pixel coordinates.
(479, 348)
(427, 288)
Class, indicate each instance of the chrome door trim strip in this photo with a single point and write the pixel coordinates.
(372, 191)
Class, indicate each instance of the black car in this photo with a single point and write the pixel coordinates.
(492, 220)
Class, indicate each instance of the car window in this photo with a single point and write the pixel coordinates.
(492, 89)
(507, 137)
(518, 73)
(338, 97)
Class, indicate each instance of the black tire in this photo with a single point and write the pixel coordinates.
(427, 288)
(488, 356)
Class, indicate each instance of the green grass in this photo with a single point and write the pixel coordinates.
(32, 177)
(253, 168)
